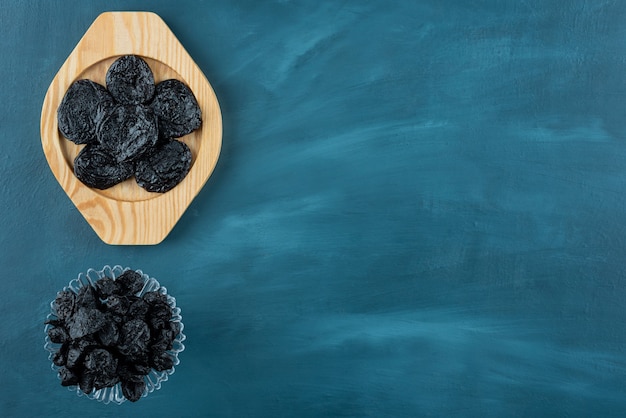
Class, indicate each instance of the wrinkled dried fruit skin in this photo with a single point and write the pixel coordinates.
(133, 390)
(152, 297)
(58, 335)
(176, 108)
(130, 80)
(87, 298)
(103, 366)
(118, 305)
(165, 168)
(162, 361)
(64, 304)
(128, 131)
(109, 334)
(112, 335)
(82, 107)
(130, 282)
(77, 350)
(95, 168)
(128, 127)
(160, 314)
(60, 357)
(138, 309)
(86, 382)
(68, 378)
(134, 340)
(86, 321)
(105, 287)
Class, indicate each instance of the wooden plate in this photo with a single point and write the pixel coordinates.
(126, 213)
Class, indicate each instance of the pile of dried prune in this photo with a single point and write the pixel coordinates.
(128, 127)
(109, 334)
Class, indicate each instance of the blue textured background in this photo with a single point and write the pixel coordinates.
(419, 210)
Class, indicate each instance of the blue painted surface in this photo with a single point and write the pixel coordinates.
(418, 211)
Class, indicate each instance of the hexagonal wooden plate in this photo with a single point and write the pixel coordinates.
(127, 214)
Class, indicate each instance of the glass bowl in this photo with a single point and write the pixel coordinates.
(154, 379)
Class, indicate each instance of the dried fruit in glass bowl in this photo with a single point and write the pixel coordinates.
(114, 334)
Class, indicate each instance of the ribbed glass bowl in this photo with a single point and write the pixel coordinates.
(153, 379)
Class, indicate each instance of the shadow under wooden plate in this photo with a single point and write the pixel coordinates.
(126, 213)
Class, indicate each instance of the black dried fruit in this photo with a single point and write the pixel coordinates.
(60, 357)
(64, 304)
(86, 321)
(128, 132)
(130, 282)
(134, 339)
(58, 335)
(117, 305)
(131, 370)
(141, 369)
(87, 298)
(105, 381)
(161, 361)
(176, 108)
(106, 287)
(109, 335)
(175, 328)
(103, 366)
(130, 120)
(130, 80)
(82, 107)
(68, 378)
(164, 168)
(153, 296)
(95, 168)
(138, 309)
(160, 314)
(133, 389)
(77, 350)
(86, 382)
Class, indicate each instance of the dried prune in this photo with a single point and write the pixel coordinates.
(176, 329)
(109, 334)
(105, 381)
(138, 309)
(106, 287)
(128, 131)
(177, 109)
(133, 389)
(96, 168)
(161, 361)
(117, 305)
(130, 282)
(60, 357)
(130, 120)
(130, 80)
(134, 339)
(164, 168)
(77, 350)
(86, 321)
(159, 318)
(103, 365)
(64, 304)
(82, 107)
(86, 298)
(86, 382)
(58, 335)
(68, 378)
(152, 297)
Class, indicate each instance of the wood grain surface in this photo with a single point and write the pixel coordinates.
(127, 214)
